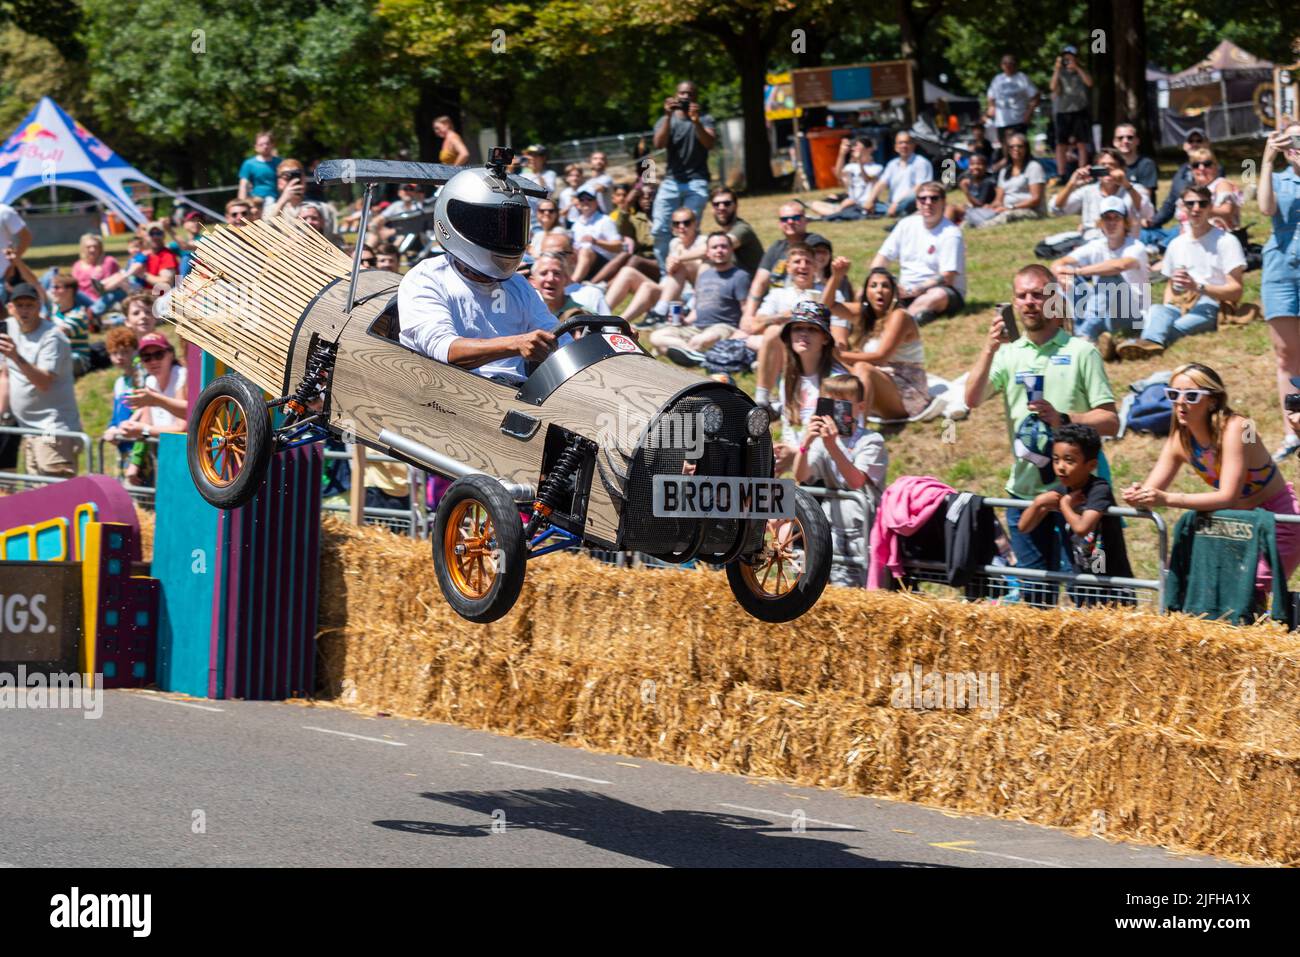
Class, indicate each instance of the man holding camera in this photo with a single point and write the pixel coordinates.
(687, 134)
(1089, 186)
(1070, 85)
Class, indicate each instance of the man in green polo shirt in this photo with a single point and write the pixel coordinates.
(1075, 389)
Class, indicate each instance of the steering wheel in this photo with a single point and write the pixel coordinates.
(586, 321)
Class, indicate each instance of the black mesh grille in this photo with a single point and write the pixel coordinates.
(502, 229)
(731, 453)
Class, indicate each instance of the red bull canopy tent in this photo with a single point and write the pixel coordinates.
(50, 148)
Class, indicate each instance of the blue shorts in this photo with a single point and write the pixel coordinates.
(1281, 297)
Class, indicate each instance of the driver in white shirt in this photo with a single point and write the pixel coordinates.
(469, 307)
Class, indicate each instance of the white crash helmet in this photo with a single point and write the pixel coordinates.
(482, 221)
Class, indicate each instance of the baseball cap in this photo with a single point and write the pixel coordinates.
(1196, 131)
(193, 215)
(813, 240)
(585, 191)
(1070, 48)
(538, 149)
(154, 340)
(1113, 204)
(24, 290)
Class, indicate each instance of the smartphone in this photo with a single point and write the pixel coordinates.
(1295, 142)
(844, 417)
(1010, 331)
(1097, 172)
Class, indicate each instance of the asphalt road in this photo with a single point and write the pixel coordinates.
(164, 781)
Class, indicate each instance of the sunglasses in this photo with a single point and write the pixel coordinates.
(722, 203)
(1190, 396)
(1203, 164)
(929, 198)
(156, 232)
(1195, 203)
(792, 219)
(152, 356)
(682, 222)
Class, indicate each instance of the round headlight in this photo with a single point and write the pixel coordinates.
(757, 422)
(711, 419)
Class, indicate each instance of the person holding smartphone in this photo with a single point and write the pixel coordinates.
(1279, 198)
(36, 384)
(290, 182)
(1074, 389)
(831, 458)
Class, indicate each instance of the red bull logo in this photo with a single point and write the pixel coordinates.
(33, 132)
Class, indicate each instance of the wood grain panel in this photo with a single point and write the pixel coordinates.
(379, 384)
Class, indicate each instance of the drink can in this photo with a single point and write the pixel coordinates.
(675, 313)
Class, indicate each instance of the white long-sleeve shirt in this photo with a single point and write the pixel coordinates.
(436, 305)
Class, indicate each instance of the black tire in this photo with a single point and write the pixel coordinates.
(467, 586)
(223, 480)
(752, 583)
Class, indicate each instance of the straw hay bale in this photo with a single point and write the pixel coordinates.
(1164, 729)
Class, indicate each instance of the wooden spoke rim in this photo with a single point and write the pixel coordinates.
(779, 566)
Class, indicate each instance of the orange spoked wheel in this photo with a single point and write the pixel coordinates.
(229, 442)
(787, 574)
(478, 548)
(469, 549)
(223, 437)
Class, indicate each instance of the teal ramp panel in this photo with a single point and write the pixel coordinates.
(187, 563)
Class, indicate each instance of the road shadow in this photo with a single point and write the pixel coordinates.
(667, 838)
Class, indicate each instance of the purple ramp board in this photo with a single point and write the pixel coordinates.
(60, 500)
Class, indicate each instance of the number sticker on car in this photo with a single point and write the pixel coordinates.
(708, 496)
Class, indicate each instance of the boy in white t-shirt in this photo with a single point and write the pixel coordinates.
(595, 237)
(1204, 266)
(1109, 276)
(931, 253)
(854, 462)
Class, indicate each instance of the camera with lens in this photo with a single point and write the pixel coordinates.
(1292, 402)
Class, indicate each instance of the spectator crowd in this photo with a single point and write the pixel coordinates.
(660, 247)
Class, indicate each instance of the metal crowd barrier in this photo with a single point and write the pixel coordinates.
(1040, 589)
(20, 481)
(413, 521)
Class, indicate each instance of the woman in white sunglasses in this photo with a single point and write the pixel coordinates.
(1224, 449)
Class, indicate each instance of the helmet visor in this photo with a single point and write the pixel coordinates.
(501, 229)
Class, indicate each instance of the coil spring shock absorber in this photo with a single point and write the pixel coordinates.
(566, 465)
(319, 362)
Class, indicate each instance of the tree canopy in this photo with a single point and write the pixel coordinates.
(181, 86)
